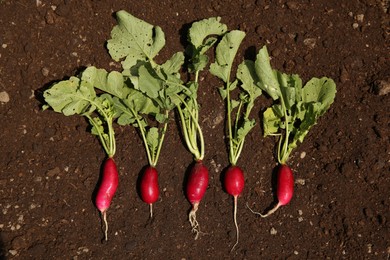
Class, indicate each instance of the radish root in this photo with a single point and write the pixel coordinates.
(104, 216)
(194, 223)
(270, 212)
(235, 222)
(151, 210)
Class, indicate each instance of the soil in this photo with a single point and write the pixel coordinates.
(51, 163)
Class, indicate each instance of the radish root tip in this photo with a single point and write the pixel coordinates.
(104, 217)
(270, 212)
(194, 223)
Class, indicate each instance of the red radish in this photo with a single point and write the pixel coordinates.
(284, 188)
(197, 183)
(149, 189)
(107, 188)
(234, 184)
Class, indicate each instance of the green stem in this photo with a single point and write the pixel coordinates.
(111, 135)
(232, 158)
(154, 163)
(110, 147)
(284, 149)
(142, 130)
(102, 141)
(185, 133)
(196, 76)
(192, 131)
(238, 150)
(238, 117)
(240, 144)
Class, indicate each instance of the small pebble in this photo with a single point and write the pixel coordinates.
(310, 42)
(4, 97)
(382, 87)
(273, 231)
(300, 181)
(45, 72)
(13, 252)
(359, 18)
(292, 5)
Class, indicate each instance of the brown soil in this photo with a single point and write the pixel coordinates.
(50, 163)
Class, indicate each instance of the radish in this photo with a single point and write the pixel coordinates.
(106, 190)
(296, 109)
(149, 189)
(196, 186)
(285, 185)
(201, 37)
(234, 184)
(239, 124)
(284, 189)
(78, 96)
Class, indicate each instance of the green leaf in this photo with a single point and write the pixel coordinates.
(200, 38)
(300, 131)
(161, 118)
(225, 53)
(148, 82)
(70, 96)
(246, 73)
(320, 90)
(152, 139)
(106, 105)
(97, 127)
(234, 104)
(245, 128)
(289, 85)
(174, 64)
(136, 102)
(201, 29)
(268, 80)
(223, 91)
(198, 62)
(141, 103)
(271, 122)
(112, 82)
(134, 39)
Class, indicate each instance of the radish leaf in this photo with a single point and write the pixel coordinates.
(268, 80)
(70, 96)
(134, 40)
(112, 83)
(77, 96)
(200, 39)
(152, 138)
(297, 110)
(226, 51)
